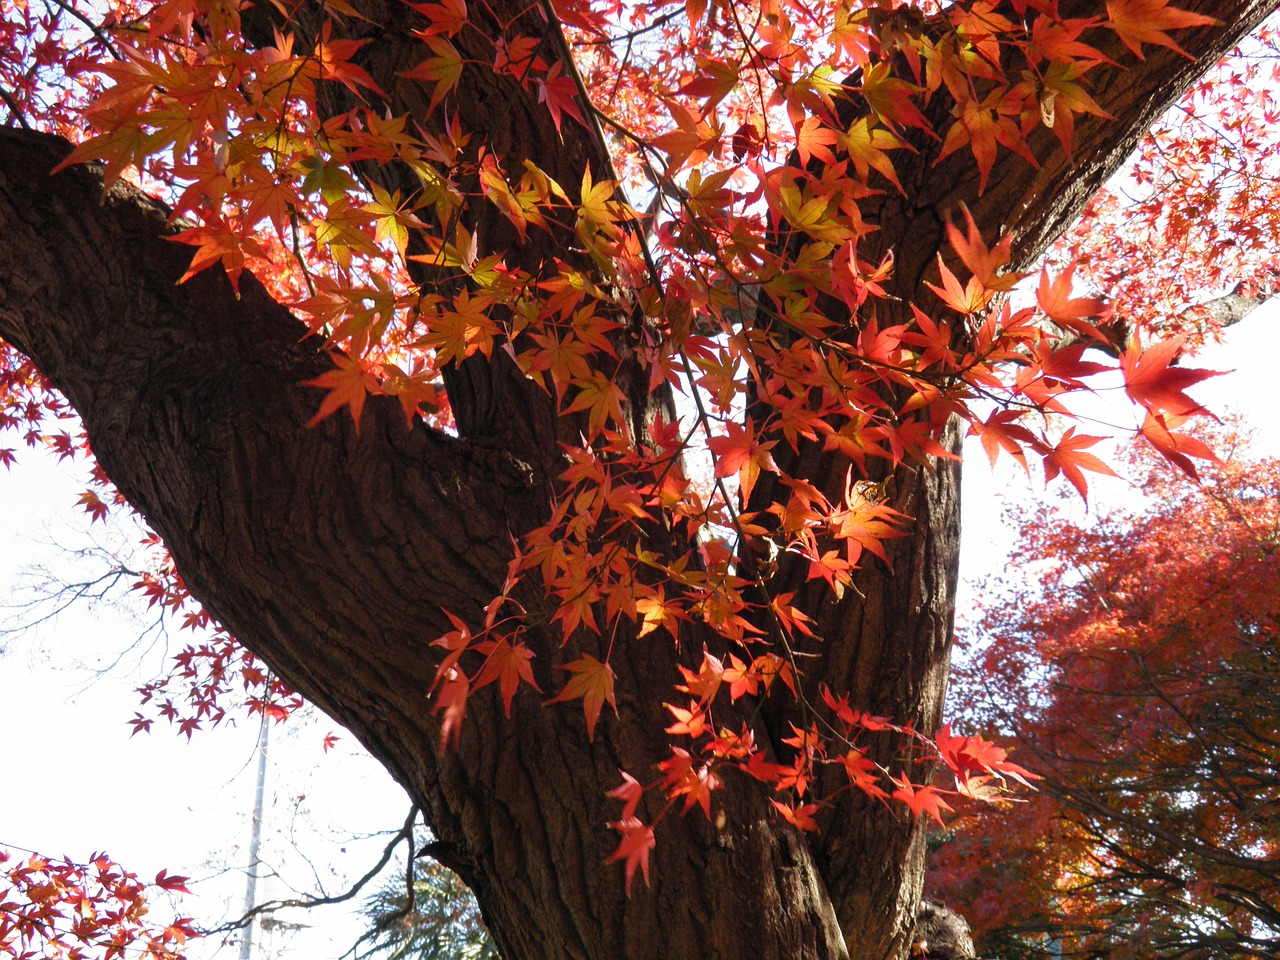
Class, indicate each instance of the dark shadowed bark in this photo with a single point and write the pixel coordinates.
(331, 554)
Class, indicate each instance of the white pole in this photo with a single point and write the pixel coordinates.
(255, 843)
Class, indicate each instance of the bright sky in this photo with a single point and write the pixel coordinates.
(78, 783)
(154, 801)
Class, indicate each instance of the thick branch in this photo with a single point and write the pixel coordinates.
(331, 554)
(299, 540)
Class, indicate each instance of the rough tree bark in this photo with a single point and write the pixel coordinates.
(331, 554)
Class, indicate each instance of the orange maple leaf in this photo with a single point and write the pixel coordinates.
(800, 817)
(971, 298)
(451, 707)
(592, 681)
(508, 664)
(1074, 313)
(1145, 21)
(447, 17)
(983, 262)
(348, 386)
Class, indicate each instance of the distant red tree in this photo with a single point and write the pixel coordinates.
(1135, 658)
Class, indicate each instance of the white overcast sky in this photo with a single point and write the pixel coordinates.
(77, 783)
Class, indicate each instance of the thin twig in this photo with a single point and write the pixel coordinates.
(406, 833)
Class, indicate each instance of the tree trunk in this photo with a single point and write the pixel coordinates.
(331, 554)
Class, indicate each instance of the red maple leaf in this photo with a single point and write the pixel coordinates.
(629, 793)
(560, 94)
(1069, 459)
(800, 817)
(926, 799)
(1073, 313)
(637, 841)
(509, 665)
(166, 882)
(1177, 448)
(1151, 381)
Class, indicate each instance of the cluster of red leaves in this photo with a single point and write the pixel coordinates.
(745, 277)
(71, 911)
(208, 678)
(1193, 214)
(1136, 658)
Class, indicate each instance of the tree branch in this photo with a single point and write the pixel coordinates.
(271, 906)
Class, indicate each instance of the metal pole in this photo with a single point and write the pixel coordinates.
(255, 843)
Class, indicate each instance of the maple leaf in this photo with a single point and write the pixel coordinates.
(393, 222)
(444, 69)
(333, 58)
(1001, 431)
(983, 262)
(637, 841)
(1054, 297)
(592, 681)
(1145, 21)
(348, 385)
(217, 241)
(965, 755)
(656, 612)
(560, 94)
(601, 398)
(508, 664)
(683, 777)
(1177, 448)
(172, 884)
(890, 98)
(1151, 381)
(704, 684)
(1068, 458)
(93, 506)
(451, 706)
(800, 817)
(738, 451)
(971, 298)
(689, 723)
(447, 17)
(714, 80)
(629, 793)
(457, 641)
(863, 773)
(814, 139)
(330, 741)
(863, 522)
(921, 799)
(415, 393)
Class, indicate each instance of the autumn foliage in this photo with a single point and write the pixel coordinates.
(691, 286)
(53, 908)
(1133, 656)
